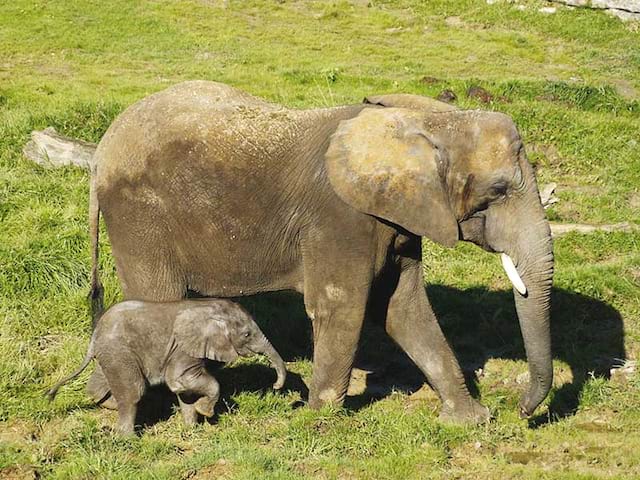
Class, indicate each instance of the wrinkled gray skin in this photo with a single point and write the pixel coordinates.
(141, 343)
(205, 188)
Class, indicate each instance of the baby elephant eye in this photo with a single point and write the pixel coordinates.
(247, 335)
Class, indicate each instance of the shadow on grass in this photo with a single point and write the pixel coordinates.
(159, 403)
(480, 324)
(586, 333)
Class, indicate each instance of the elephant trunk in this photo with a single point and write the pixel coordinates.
(277, 362)
(533, 255)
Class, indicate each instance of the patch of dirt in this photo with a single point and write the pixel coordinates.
(523, 457)
(454, 22)
(429, 80)
(447, 96)
(480, 94)
(221, 469)
(625, 89)
(19, 472)
(595, 426)
(558, 229)
(17, 432)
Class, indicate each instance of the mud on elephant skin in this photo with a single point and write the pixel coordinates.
(229, 195)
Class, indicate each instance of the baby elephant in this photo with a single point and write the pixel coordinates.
(142, 343)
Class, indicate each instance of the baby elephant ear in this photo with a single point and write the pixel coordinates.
(202, 334)
(383, 163)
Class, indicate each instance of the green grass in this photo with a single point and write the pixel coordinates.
(570, 80)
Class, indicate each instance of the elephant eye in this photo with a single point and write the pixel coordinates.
(247, 335)
(499, 189)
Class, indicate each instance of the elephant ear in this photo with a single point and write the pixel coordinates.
(201, 333)
(383, 163)
(414, 102)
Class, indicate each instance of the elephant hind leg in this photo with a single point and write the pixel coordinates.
(99, 391)
(127, 384)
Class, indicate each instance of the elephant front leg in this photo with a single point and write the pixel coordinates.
(414, 327)
(188, 410)
(337, 312)
(336, 331)
(339, 264)
(198, 382)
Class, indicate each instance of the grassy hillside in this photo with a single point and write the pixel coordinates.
(570, 80)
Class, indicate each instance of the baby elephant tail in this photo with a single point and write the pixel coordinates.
(51, 394)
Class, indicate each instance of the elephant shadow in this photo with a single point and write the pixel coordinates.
(480, 324)
(587, 334)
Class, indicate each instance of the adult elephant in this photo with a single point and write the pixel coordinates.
(207, 189)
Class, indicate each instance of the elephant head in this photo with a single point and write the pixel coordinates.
(222, 332)
(451, 175)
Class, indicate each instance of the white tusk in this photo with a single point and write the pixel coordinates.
(512, 273)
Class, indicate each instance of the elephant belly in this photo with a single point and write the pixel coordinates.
(236, 268)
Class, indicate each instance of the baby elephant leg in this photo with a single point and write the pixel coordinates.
(199, 383)
(127, 386)
(205, 405)
(208, 389)
(98, 389)
(188, 410)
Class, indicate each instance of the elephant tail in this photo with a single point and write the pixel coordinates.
(51, 394)
(96, 294)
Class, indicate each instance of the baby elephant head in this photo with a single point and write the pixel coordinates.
(222, 330)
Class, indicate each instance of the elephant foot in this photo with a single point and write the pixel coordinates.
(328, 396)
(99, 391)
(469, 412)
(125, 430)
(205, 406)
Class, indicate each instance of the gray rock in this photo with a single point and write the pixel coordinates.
(624, 9)
(627, 5)
(50, 149)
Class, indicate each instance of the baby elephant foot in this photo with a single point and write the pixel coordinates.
(205, 406)
(126, 420)
(469, 412)
(189, 413)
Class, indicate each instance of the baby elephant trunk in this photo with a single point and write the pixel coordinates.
(276, 361)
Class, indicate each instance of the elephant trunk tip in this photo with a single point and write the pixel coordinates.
(277, 362)
(524, 413)
(282, 377)
(534, 397)
(278, 385)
